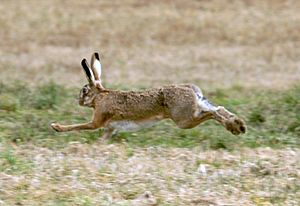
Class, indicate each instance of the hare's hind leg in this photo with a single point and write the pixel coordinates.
(198, 118)
(229, 120)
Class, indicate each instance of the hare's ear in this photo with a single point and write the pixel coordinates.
(96, 66)
(89, 74)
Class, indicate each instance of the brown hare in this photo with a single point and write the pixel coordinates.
(130, 110)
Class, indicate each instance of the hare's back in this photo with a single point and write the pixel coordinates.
(132, 105)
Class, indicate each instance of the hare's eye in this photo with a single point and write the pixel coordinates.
(84, 90)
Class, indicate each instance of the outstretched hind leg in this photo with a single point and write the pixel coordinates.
(229, 120)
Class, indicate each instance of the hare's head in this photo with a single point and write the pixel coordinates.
(87, 95)
(93, 74)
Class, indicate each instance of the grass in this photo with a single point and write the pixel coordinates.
(272, 117)
(12, 163)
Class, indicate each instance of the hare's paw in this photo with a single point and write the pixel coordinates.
(56, 127)
(240, 125)
(236, 126)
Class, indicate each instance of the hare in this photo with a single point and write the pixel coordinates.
(130, 110)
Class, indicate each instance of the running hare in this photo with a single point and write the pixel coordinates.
(128, 110)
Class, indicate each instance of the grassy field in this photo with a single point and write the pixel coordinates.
(272, 119)
(244, 54)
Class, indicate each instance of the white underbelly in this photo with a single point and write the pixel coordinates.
(127, 125)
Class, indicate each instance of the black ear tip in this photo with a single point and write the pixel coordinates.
(84, 62)
(97, 56)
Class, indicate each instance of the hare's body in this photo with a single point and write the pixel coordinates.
(130, 110)
(135, 108)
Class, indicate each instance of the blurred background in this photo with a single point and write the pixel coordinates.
(211, 43)
(244, 54)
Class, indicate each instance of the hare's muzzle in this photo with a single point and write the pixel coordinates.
(80, 101)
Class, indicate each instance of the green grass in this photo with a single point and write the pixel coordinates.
(272, 117)
(12, 163)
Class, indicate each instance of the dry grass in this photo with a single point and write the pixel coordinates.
(99, 174)
(145, 43)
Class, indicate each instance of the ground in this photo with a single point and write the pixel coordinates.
(97, 174)
(243, 54)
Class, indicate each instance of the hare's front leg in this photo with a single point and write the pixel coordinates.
(65, 128)
(108, 133)
(97, 122)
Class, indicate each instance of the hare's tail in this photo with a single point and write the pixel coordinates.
(202, 101)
